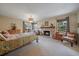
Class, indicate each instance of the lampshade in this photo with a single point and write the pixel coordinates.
(30, 19)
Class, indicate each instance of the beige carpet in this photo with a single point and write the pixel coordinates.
(46, 47)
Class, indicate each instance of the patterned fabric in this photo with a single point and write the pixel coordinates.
(6, 46)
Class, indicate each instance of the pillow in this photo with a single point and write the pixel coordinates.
(2, 37)
(70, 35)
(5, 34)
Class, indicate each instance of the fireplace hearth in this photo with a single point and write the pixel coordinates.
(47, 33)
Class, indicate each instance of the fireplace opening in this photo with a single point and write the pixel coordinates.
(47, 33)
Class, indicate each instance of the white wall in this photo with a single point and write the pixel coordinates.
(5, 23)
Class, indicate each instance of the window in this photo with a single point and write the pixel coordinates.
(63, 25)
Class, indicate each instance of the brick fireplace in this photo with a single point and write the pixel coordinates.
(47, 31)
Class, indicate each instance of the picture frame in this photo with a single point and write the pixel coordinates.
(46, 23)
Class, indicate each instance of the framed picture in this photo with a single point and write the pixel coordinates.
(46, 23)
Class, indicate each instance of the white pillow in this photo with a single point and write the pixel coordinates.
(2, 37)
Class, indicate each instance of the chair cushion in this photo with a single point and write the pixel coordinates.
(69, 38)
(72, 35)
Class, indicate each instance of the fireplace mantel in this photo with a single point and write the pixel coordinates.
(47, 27)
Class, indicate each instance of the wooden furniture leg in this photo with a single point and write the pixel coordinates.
(71, 44)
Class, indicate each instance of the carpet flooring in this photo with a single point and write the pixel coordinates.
(46, 47)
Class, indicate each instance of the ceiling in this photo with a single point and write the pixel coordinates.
(36, 10)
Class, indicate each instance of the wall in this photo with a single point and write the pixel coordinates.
(78, 22)
(53, 20)
(78, 27)
(5, 23)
